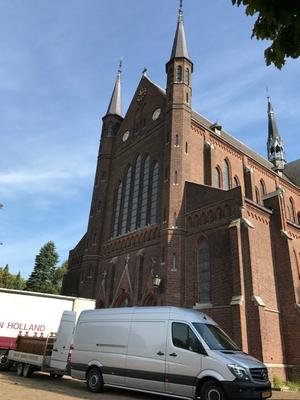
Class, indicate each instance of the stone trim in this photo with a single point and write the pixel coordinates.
(258, 301)
(237, 300)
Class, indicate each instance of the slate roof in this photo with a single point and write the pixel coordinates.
(292, 170)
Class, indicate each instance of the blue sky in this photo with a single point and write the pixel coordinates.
(57, 70)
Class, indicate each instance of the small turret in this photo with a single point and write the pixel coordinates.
(276, 153)
(179, 68)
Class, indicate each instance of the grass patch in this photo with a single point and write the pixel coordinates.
(278, 383)
(293, 385)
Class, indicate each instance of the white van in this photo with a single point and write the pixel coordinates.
(164, 350)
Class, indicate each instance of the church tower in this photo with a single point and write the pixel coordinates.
(275, 145)
(177, 130)
(110, 126)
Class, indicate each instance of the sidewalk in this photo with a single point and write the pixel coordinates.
(282, 395)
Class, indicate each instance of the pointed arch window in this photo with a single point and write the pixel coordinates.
(174, 266)
(291, 210)
(110, 129)
(135, 194)
(203, 273)
(118, 196)
(257, 196)
(154, 194)
(176, 178)
(127, 184)
(176, 140)
(179, 73)
(218, 178)
(236, 182)
(174, 220)
(262, 188)
(187, 76)
(226, 178)
(144, 202)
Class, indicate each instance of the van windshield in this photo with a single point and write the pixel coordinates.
(214, 337)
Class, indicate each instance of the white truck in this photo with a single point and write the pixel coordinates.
(33, 316)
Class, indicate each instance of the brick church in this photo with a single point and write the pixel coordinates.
(184, 214)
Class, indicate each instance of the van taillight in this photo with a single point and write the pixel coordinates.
(69, 359)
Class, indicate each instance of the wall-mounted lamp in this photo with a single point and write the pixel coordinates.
(156, 281)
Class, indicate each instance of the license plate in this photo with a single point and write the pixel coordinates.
(266, 394)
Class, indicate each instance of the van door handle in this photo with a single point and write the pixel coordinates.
(173, 355)
(160, 353)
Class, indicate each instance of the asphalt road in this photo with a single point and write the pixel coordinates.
(41, 387)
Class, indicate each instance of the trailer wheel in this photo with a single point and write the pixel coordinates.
(5, 363)
(20, 369)
(211, 390)
(94, 380)
(28, 370)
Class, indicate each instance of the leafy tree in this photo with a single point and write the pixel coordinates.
(19, 282)
(42, 276)
(278, 21)
(58, 277)
(11, 281)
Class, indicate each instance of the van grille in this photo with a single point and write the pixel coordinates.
(259, 374)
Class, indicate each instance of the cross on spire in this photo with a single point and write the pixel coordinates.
(179, 48)
(180, 11)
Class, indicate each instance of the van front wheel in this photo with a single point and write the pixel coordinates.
(94, 380)
(211, 390)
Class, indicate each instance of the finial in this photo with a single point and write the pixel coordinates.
(270, 108)
(120, 66)
(144, 71)
(268, 95)
(180, 12)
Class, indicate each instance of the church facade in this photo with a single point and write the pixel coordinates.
(184, 214)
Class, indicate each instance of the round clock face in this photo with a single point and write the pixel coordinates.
(125, 136)
(156, 114)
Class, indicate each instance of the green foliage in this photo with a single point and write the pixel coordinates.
(277, 382)
(293, 385)
(278, 21)
(11, 281)
(43, 274)
(58, 277)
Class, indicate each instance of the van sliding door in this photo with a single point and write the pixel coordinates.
(146, 357)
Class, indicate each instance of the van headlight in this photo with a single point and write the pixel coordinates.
(238, 371)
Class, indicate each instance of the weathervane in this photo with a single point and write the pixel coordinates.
(120, 65)
(180, 16)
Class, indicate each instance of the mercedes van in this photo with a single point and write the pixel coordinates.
(164, 350)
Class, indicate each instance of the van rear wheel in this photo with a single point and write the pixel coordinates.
(94, 380)
(211, 390)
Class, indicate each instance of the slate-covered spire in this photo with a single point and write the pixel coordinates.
(115, 107)
(276, 153)
(179, 48)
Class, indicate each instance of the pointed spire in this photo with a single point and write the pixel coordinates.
(273, 131)
(276, 153)
(179, 46)
(115, 101)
